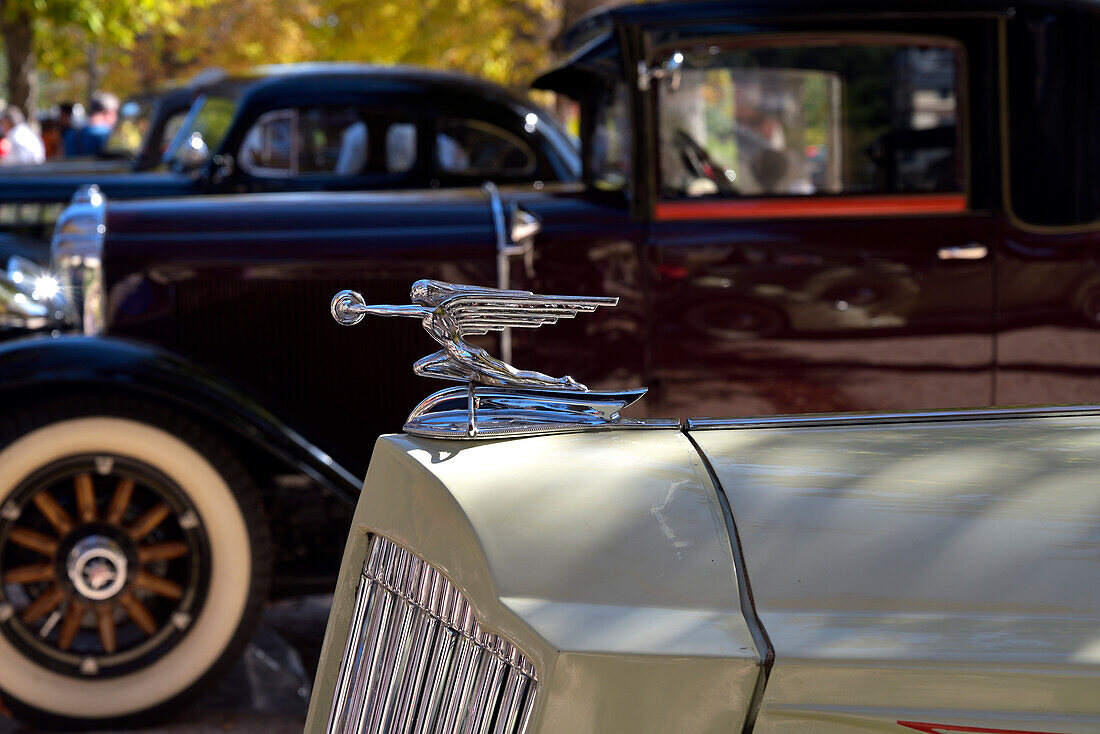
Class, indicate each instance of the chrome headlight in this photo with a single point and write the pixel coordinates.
(76, 252)
(418, 661)
(30, 296)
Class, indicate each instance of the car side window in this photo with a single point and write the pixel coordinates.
(334, 140)
(306, 142)
(171, 128)
(268, 148)
(1053, 117)
(812, 117)
(130, 128)
(328, 141)
(477, 148)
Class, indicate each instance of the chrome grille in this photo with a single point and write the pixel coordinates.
(418, 661)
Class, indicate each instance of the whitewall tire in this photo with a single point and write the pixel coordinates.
(134, 560)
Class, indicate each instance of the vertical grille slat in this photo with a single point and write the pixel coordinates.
(417, 661)
(508, 717)
(413, 678)
(397, 648)
(438, 670)
(482, 717)
(352, 654)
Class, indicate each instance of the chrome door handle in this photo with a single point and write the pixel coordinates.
(969, 251)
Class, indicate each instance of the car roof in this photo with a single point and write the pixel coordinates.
(665, 11)
(293, 77)
(262, 86)
(704, 10)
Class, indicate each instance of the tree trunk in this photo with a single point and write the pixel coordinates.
(93, 69)
(18, 33)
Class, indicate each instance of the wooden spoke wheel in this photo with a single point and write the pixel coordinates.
(134, 561)
(104, 564)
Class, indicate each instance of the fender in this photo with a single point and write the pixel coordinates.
(45, 363)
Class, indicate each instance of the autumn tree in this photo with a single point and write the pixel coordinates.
(504, 40)
(67, 28)
(508, 41)
(231, 35)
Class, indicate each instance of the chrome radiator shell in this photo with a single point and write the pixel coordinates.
(417, 660)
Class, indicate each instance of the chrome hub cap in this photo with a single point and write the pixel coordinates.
(100, 559)
(97, 567)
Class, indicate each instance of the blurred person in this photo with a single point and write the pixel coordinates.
(20, 144)
(353, 149)
(52, 137)
(453, 158)
(102, 116)
(67, 124)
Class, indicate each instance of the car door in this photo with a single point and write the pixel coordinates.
(822, 241)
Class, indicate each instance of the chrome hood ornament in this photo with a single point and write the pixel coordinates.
(451, 312)
(498, 400)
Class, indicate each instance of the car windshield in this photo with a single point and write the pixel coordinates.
(205, 127)
(134, 118)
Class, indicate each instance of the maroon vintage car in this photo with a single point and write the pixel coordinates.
(802, 206)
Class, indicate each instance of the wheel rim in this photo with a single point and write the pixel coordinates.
(105, 564)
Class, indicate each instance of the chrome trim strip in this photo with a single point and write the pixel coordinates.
(849, 419)
(760, 637)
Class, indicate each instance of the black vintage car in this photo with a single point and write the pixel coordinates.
(295, 127)
(284, 128)
(802, 206)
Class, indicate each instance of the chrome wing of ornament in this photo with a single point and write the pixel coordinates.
(515, 401)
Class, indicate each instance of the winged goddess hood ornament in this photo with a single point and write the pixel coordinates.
(499, 400)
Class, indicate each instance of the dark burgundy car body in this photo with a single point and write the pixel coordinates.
(983, 291)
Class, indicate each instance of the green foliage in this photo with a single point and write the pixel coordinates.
(65, 28)
(504, 40)
(143, 43)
